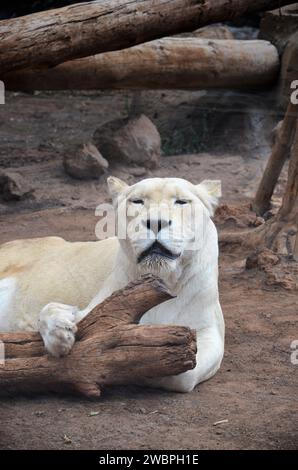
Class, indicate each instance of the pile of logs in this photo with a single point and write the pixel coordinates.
(34, 43)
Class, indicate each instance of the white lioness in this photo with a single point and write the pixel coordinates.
(50, 284)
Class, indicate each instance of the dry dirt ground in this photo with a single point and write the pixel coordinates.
(255, 391)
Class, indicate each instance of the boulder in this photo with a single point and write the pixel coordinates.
(131, 140)
(85, 163)
(13, 186)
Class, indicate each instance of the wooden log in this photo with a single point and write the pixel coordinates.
(110, 348)
(277, 26)
(55, 36)
(279, 154)
(181, 63)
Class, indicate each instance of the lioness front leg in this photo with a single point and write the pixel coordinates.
(57, 323)
(57, 326)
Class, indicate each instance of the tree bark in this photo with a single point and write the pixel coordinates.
(110, 348)
(279, 154)
(278, 234)
(181, 63)
(48, 38)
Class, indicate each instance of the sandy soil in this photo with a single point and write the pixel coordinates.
(256, 388)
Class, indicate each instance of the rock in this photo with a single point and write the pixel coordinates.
(239, 216)
(252, 261)
(13, 186)
(85, 163)
(267, 257)
(137, 171)
(258, 221)
(280, 275)
(135, 140)
(262, 259)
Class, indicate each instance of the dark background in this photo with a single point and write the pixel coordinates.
(10, 9)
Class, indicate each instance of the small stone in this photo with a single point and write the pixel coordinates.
(138, 171)
(66, 439)
(267, 257)
(221, 421)
(13, 186)
(142, 410)
(259, 221)
(251, 261)
(86, 163)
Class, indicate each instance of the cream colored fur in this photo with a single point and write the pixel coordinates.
(49, 284)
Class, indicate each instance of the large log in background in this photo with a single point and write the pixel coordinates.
(55, 36)
(110, 348)
(181, 63)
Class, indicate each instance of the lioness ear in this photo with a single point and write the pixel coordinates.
(209, 192)
(116, 186)
(213, 187)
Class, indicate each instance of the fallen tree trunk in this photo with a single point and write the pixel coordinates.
(279, 154)
(181, 63)
(110, 348)
(55, 36)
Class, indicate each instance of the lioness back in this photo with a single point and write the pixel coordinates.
(50, 269)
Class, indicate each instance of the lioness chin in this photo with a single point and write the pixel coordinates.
(166, 229)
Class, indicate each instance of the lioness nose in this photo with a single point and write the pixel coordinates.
(157, 225)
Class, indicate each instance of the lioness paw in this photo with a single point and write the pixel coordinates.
(57, 326)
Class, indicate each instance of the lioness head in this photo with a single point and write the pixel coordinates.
(162, 221)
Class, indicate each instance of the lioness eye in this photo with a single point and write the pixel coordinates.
(137, 201)
(180, 201)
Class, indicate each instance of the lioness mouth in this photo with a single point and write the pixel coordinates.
(157, 249)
